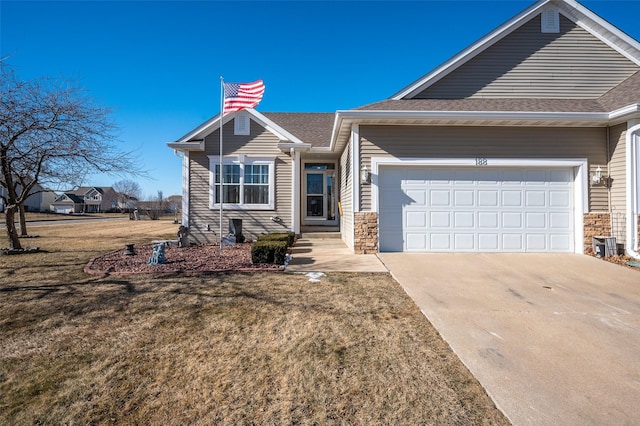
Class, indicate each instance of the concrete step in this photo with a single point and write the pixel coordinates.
(305, 229)
(321, 235)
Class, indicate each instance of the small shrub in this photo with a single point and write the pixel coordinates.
(269, 252)
(289, 237)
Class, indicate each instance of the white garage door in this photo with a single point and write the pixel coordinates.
(62, 209)
(476, 209)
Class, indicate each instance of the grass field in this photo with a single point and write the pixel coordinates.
(263, 348)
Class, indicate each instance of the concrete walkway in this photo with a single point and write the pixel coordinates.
(330, 255)
(554, 339)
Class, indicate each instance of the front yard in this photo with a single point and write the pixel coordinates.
(242, 348)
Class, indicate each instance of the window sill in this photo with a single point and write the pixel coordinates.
(242, 207)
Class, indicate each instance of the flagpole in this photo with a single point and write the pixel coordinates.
(221, 174)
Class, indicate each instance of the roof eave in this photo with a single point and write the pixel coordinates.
(194, 145)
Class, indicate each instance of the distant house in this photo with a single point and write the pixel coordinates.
(39, 200)
(86, 199)
(526, 141)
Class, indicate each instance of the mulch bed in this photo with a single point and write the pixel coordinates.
(191, 260)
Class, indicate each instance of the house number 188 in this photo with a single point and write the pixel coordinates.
(481, 161)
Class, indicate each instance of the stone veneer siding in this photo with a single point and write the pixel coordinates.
(595, 224)
(365, 232)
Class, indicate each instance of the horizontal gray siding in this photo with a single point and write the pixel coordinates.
(346, 196)
(617, 165)
(260, 143)
(530, 64)
(485, 142)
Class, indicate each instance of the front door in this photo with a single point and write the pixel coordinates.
(319, 202)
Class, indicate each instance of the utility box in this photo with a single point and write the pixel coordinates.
(604, 246)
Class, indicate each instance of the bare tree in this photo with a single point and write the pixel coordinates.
(51, 133)
(128, 191)
(156, 206)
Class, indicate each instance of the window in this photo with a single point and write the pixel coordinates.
(247, 183)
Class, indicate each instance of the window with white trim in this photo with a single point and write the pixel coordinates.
(248, 183)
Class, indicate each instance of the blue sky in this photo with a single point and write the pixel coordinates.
(158, 64)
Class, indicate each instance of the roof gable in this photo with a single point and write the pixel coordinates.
(305, 129)
(577, 22)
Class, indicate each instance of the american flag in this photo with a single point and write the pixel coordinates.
(238, 96)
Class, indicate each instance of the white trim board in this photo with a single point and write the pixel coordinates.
(581, 179)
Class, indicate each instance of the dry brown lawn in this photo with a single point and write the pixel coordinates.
(262, 348)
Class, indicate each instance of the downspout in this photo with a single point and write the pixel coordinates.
(633, 132)
(608, 157)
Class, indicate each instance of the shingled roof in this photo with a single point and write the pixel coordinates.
(310, 127)
(485, 104)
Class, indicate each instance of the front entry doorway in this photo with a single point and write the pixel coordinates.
(319, 194)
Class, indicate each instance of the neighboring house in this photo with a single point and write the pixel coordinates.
(527, 141)
(86, 199)
(39, 200)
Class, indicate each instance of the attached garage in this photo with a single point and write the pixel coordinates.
(477, 209)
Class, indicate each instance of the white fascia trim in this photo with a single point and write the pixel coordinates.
(321, 149)
(187, 146)
(479, 115)
(471, 52)
(280, 132)
(593, 24)
(633, 187)
(294, 145)
(355, 168)
(580, 193)
(621, 112)
(213, 124)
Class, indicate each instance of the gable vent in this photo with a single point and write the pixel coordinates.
(241, 124)
(550, 20)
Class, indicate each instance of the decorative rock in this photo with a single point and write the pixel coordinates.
(157, 257)
(230, 240)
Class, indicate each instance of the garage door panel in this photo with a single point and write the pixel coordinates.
(511, 198)
(559, 242)
(476, 209)
(440, 242)
(536, 242)
(464, 242)
(559, 220)
(463, 198)
(416, 241)
(535, 220)
(487, 220)
(416, 219)
(488, 242)
(417, 197)
(560, 199)
(535, 199)
(512, 220)
(512, 242)
(439, 198)
(535, 177)
(440, 220)
(463, 219)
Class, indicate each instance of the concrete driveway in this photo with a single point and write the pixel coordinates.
(554, 339)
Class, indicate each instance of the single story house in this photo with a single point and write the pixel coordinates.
(527, 141)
